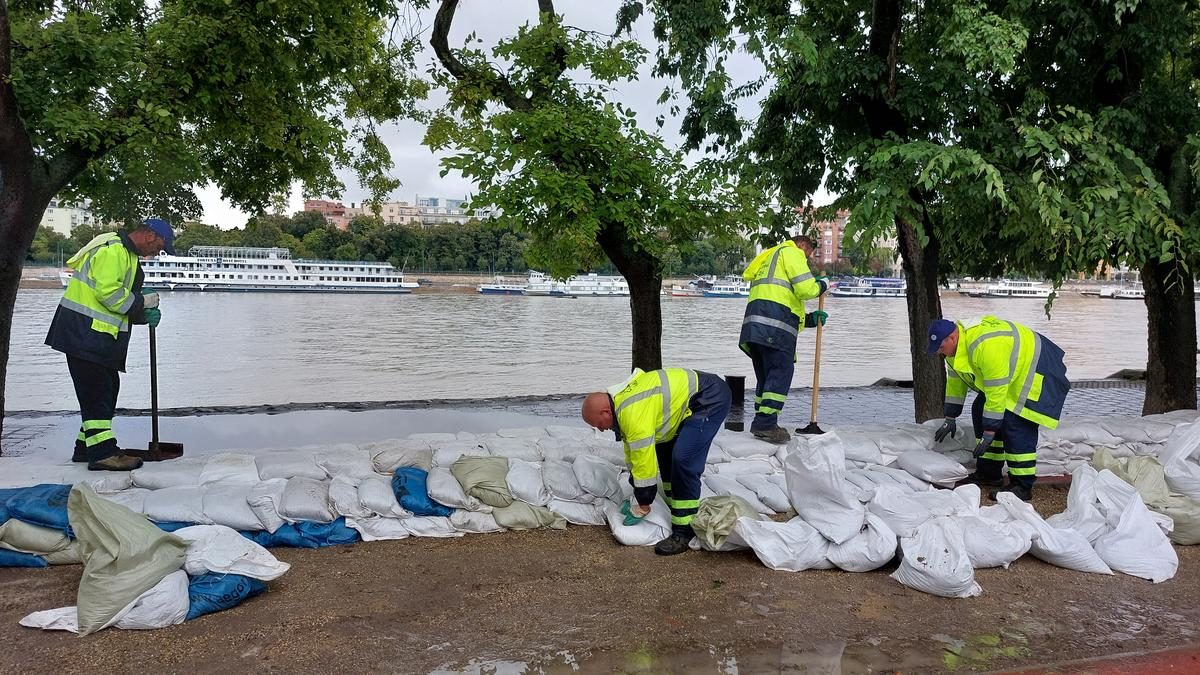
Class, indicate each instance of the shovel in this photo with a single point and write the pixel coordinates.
(160, 450)
(812, 427)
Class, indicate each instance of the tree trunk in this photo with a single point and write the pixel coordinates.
(924, 305)
(645, 305)
(1171, 338)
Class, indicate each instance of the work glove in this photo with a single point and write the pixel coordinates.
(631, 518)
(985, 444)
(949, 428)
(153, 316)
(823, 282)
(817, 318)
(150, 300)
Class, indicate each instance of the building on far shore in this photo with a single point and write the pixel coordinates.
(62, 216)
(425, 212)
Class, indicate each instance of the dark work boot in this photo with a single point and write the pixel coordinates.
(116, 463)
(777, 435)
(673, 545)
(1023, 491)
(80, 454)
(984, 481)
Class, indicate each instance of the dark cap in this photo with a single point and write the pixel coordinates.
(939, 330)
(163, 230)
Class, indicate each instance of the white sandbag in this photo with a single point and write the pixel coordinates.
(343, 498)
(229, 505)
(1113, 496)
(862, 483)
(133, 499)
(597, 477)
(565, 449)
(228, 468)
(165, 604)
(793, 546)
(430, 526)
(446, 454)
(306, 499)
(768, 491)
(219, 549)
(728, 486)
(1063, 548)
(264, 500)
(525, 516)
(18, 535)
(474, 522)
(933, 467)
(102, 482)
(379, 529)
(570, 432)
(1181, 460)
(346, 460)
(180, 504)
(745, 446)
(742, 467)
(935, 561)
(900, 509)
(652, 529)
(856, 446)
(1081, 514)
(287, 464)
(578, 513)
(883, 474)
(394, 453)
(606, 449)
(514, 448)
(559, 478)
(525, 482)
(445, 489)
(376, 496)
(817, 490)
(433, 438)
(177, 472)
(466, 436)
(869, 550)
(522, 432)
(1137, 547)
(992, 543)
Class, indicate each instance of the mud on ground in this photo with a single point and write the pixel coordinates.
(557, 601)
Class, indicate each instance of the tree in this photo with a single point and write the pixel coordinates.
(146, 95)
(569, 167)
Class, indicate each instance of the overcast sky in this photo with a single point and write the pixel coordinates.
(417, 167)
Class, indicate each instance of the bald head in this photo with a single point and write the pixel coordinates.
(598, 411)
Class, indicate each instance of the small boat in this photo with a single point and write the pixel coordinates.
(539, 284)
(1008, 288)
(732, 286)
(594, 285)
(501, 286)
(871, 287)
(1129, 293)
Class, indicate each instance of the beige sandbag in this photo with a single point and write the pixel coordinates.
(17, 535)
(1147, 476)
(484, 478)
(124, 555)
(522, 516)
(715, 519)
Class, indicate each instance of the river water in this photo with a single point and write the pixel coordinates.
(252, 349)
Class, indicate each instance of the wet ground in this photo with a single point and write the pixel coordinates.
(575, 601)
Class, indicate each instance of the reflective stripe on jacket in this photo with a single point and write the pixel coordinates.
(1016, 370)
(649, 407)
(780, 283)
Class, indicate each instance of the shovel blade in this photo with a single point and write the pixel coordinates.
(158, 452)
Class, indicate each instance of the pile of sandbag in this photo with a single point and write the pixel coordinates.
(1072, 444)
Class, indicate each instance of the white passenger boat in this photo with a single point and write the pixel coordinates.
(594, 285)
(1008, 288)
(540, 284)
(501, 286)
(871, 287)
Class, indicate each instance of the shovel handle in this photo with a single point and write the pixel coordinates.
(817, 363)
(153, 388)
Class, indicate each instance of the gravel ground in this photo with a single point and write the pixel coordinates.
(557, 601)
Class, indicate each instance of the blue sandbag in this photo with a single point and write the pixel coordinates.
(410, 486)
(171, 526)
(212, 592)
(5, 495)
(44, 505)
(16, 559)
(306, 535)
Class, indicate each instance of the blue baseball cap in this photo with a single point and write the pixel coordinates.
(163, 230)
(939, 330)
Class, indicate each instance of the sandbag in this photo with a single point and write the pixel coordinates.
(444, 489)
(175, 473)
(179, 504)
(769, 492)
(305, 499)
(446, 454)
(430, 526)
(793, 546)
(524, 481)
(229, 505)
(343, 497)
(744, 446)
(101, 482)
(1114, 494)
(817, 490)
(905, 511)
(728, 486)
(1137, 547)
(882, 475)
(715, 519)
(578, 513)
(210, 593)
(43, 505)
(377, 497)
(564, 449)
(17, 559)
(288, 464)
(935, 561)
(608, 450)
(264, 499)
(410, 488)
(20, 536)
(133, 499)
(534, 433)
(219, 549)
(484, 478)
(525, 449)
(570, 432)
(652, 529)
(856, 445)
(524, 516)
(1181, 460)
(741, 467)
(123, 556)
(473, 522)
(348, 461)
(869, 550)
(559, 478)
(166, 604)
(436, 437)
(228, 468)
(597, 477)
(1063, 548)
(1081, 514)
(380, 529)
(932, 466)
(389, 455)
(306, 535)
(992, 543)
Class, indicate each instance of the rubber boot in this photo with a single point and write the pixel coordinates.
(1023, 491)
(116, 463)
(673, 545)
(80, 454)
(986, 474)
(777, 435)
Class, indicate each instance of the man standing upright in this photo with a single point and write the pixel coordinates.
(780, 283)
(91, 326)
